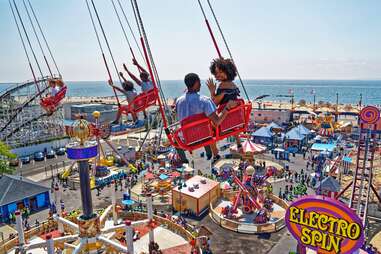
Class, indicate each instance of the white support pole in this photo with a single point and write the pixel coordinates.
(121, 226)
(113, 202)
(79, 247)
(20, 229)
(129, 236)
(50, 244)
(62, 221)
(104, 215)
(69, 246)
(113, 244)
(91, 242)
(68, 238)
(150, 217)
(57, 198)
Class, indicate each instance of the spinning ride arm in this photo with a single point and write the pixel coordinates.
(246, 192)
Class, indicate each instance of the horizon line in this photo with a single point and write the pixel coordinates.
(257, 78)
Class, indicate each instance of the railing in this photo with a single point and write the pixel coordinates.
(50, 225)
(249, 228)
(44, 227)
(135, 216)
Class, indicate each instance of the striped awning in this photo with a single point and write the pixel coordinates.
(250, 147)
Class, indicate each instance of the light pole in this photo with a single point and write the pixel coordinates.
(337, 108)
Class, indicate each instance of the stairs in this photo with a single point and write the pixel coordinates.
(363, 175)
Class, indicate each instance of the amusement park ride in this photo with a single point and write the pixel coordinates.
(362, 184)
(28, 111)
(251, 195)
(90, 232)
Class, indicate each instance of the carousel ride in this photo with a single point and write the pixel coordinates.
(89, 232)
(248, 200)
(252, 196)
(106, 167)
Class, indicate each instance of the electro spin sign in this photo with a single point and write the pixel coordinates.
(324, 225)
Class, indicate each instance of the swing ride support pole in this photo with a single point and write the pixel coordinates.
(110, 78)
(227, 47)
(25, 50)
(210, 30)
(101, 48)
(152, 77)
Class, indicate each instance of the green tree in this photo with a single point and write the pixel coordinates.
(5, 155)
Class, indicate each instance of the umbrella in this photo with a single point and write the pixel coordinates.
(161, 157)
(128, 202)
(188, 169)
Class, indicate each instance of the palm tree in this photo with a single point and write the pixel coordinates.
(5, 155)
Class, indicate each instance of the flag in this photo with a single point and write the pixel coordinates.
(313, 91)
(290, 91)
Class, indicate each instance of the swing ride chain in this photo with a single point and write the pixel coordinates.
(227, 47)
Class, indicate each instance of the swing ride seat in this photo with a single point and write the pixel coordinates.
(51, 102)
(236, 120)
(141, 102)
(196, 131)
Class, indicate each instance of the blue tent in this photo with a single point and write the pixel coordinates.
(273, 125)
(263, 132)
(294, 134)
(263, 136)
(303, 130)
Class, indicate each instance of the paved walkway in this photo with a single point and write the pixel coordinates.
(164, 237)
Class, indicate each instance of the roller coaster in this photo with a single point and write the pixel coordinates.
(22, 120)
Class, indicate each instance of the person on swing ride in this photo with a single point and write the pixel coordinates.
(192, 103)
(55, 87)
(130, 93)
(224, 70)
(144, 82)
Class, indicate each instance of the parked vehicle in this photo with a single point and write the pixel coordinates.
(61, 151)
(14, 162)
(50, 154)
(25, 159)
(39, 156)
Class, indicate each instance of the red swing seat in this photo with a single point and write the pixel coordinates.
(198, 131)
(50, 103)
(141, 102)
(236, 120)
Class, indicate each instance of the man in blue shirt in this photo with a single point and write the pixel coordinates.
(192, 103)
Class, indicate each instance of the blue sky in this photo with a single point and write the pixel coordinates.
(272, 39)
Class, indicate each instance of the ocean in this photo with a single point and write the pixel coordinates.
(325, 90)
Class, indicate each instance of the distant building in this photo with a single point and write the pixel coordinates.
(108, 112)
(268, 116)
(18, 193)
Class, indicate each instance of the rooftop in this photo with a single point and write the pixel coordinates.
(15, 188)
(203, 187)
